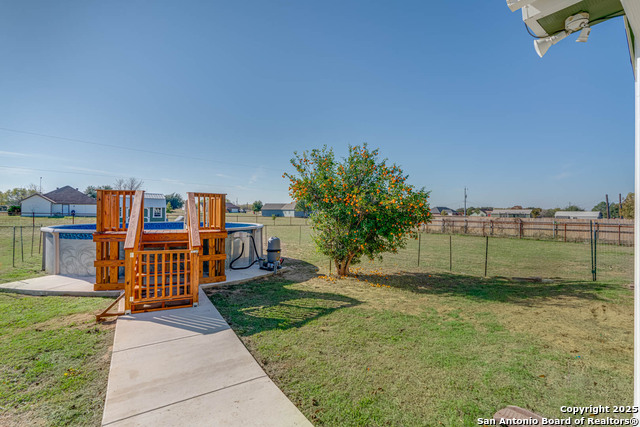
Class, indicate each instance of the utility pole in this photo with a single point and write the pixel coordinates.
(606, 197)
(465, 201)
(40, 185)
(620, 205)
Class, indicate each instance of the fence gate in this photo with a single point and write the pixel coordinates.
(163, 279)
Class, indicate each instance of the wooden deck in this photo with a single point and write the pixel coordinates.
(158, 269)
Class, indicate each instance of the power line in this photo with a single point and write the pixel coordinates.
(139, 150)
(120, 176)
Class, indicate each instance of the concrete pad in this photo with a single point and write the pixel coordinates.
(256, 402)
(57, 285)
(158, 326)
(145, 378)
(240, 276)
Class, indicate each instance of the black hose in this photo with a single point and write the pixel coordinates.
(242, 253)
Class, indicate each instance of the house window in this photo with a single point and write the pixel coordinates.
(157, 212)
(146, 215)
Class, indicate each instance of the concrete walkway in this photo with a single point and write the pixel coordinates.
(187, 367)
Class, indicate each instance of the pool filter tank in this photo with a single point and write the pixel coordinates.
(273, 261)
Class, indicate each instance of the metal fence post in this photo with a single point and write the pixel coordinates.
(595, 253)
(486, 256)
(591, 242)
(13, 255)
(450, 255)
(21, 244)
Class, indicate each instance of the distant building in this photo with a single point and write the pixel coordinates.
(578, 215)
(480, 213)
(65, 201)
(231, 208)
(438, 210)
(511, 213)
(282, 209)
(155, 207)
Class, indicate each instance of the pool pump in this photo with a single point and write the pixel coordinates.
(273, 261)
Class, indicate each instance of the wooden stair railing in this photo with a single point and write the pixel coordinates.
(112, 209)
(111, 218)
(210, 210)
(131, 245)
(206, 213)
(195, 245)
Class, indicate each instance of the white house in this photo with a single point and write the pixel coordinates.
(65, 201)
(511, 213)
(578, 215)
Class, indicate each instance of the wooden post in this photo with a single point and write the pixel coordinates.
(565, 232)
(450, 255)
(521, 228)
(195, 275)
(619, 237)
(606, 197)
(620, 205)
(128, 279)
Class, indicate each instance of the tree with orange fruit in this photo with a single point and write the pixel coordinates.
(360, 206)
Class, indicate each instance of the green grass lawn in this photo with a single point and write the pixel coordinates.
(402, 345)
(54, 360)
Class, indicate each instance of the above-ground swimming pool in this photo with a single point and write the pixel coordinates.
(70, 249)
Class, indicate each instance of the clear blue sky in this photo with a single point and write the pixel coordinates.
(218, 95)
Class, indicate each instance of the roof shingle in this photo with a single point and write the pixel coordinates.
(71, 196)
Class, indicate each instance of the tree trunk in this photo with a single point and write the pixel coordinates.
(342, 266)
